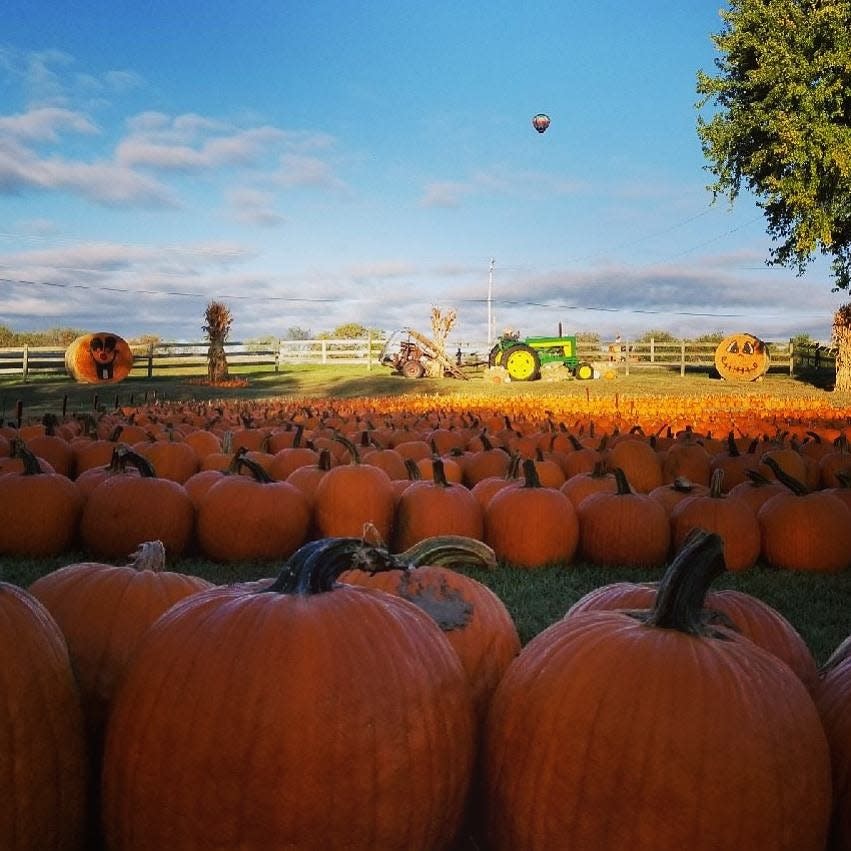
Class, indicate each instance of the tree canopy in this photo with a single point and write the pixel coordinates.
(780, 123)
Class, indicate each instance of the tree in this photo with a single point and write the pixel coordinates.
(218, 321)
(781, 126)
(297, 333)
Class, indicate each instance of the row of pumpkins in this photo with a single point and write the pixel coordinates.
(369, 700)
(535, 496)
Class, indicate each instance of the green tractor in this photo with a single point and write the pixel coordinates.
(523, 359)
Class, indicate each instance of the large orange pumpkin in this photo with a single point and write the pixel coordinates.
(834, 703)
(654, 732)
(311, 715)
(103, 611)
(42, 758)
(99, 358)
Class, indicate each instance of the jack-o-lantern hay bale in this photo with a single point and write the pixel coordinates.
(99, 358)
(741, 357)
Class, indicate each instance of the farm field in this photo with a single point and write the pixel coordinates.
(253, 429)
(818, 605)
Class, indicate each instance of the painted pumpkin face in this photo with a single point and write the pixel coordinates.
(741, 357)
(99, 358)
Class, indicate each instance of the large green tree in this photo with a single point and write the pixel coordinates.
(776, 120)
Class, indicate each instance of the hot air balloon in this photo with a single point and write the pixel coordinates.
(540, 122)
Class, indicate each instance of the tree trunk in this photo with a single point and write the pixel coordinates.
(842, 342)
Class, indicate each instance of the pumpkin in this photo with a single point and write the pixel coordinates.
(473, 618)
(349, 496)
(124, 511)
(427, 508)
(39, 511)
(623, 528)
(805, 530)
(733, 519)
(654, 731)
(530, 526)
(744, 613)
(103, 610)
(834, 704)
(43, 758)
(250, 517)
(639, 461)
(311, 715)
(99, 358)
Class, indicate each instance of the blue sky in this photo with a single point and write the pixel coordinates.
(317, 163)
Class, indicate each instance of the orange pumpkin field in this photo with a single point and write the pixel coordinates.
(366, 695)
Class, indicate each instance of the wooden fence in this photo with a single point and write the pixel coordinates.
(191, 358)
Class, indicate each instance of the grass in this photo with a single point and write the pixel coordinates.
(49, 393)
(817, 605)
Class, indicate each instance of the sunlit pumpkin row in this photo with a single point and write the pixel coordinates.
(374, 700)
(233, 484)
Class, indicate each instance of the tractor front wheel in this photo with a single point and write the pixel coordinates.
(522, 363)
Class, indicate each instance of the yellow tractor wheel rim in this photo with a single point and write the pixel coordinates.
(585, 372)
(521, 365)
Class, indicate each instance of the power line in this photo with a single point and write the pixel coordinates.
(545, 305)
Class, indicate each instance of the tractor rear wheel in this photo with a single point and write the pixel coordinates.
(522, 363)
(413, 369)
(584, 371)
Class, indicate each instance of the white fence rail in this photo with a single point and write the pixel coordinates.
(22, 362)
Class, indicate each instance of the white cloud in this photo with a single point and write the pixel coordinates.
(44, 124)
(254, 207)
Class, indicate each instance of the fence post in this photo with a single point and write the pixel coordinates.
(682, 358)
(369, 351)
(791, 358)
(278, 356)
(626, 359)
(150, 360)
(652, 350)
(25, 363)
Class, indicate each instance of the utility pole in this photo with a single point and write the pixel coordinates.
(490, 305)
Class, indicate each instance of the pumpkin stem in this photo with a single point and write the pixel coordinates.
(149, 556)
(797, 488)
(449, 551)
(124, 455)
(354, 452)
(438, 472)
(623, 487)
(530, 474)
(716, 483)
(732, 446)
(255, 469)
(31, 464)
(314, 567)
(683, 588)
